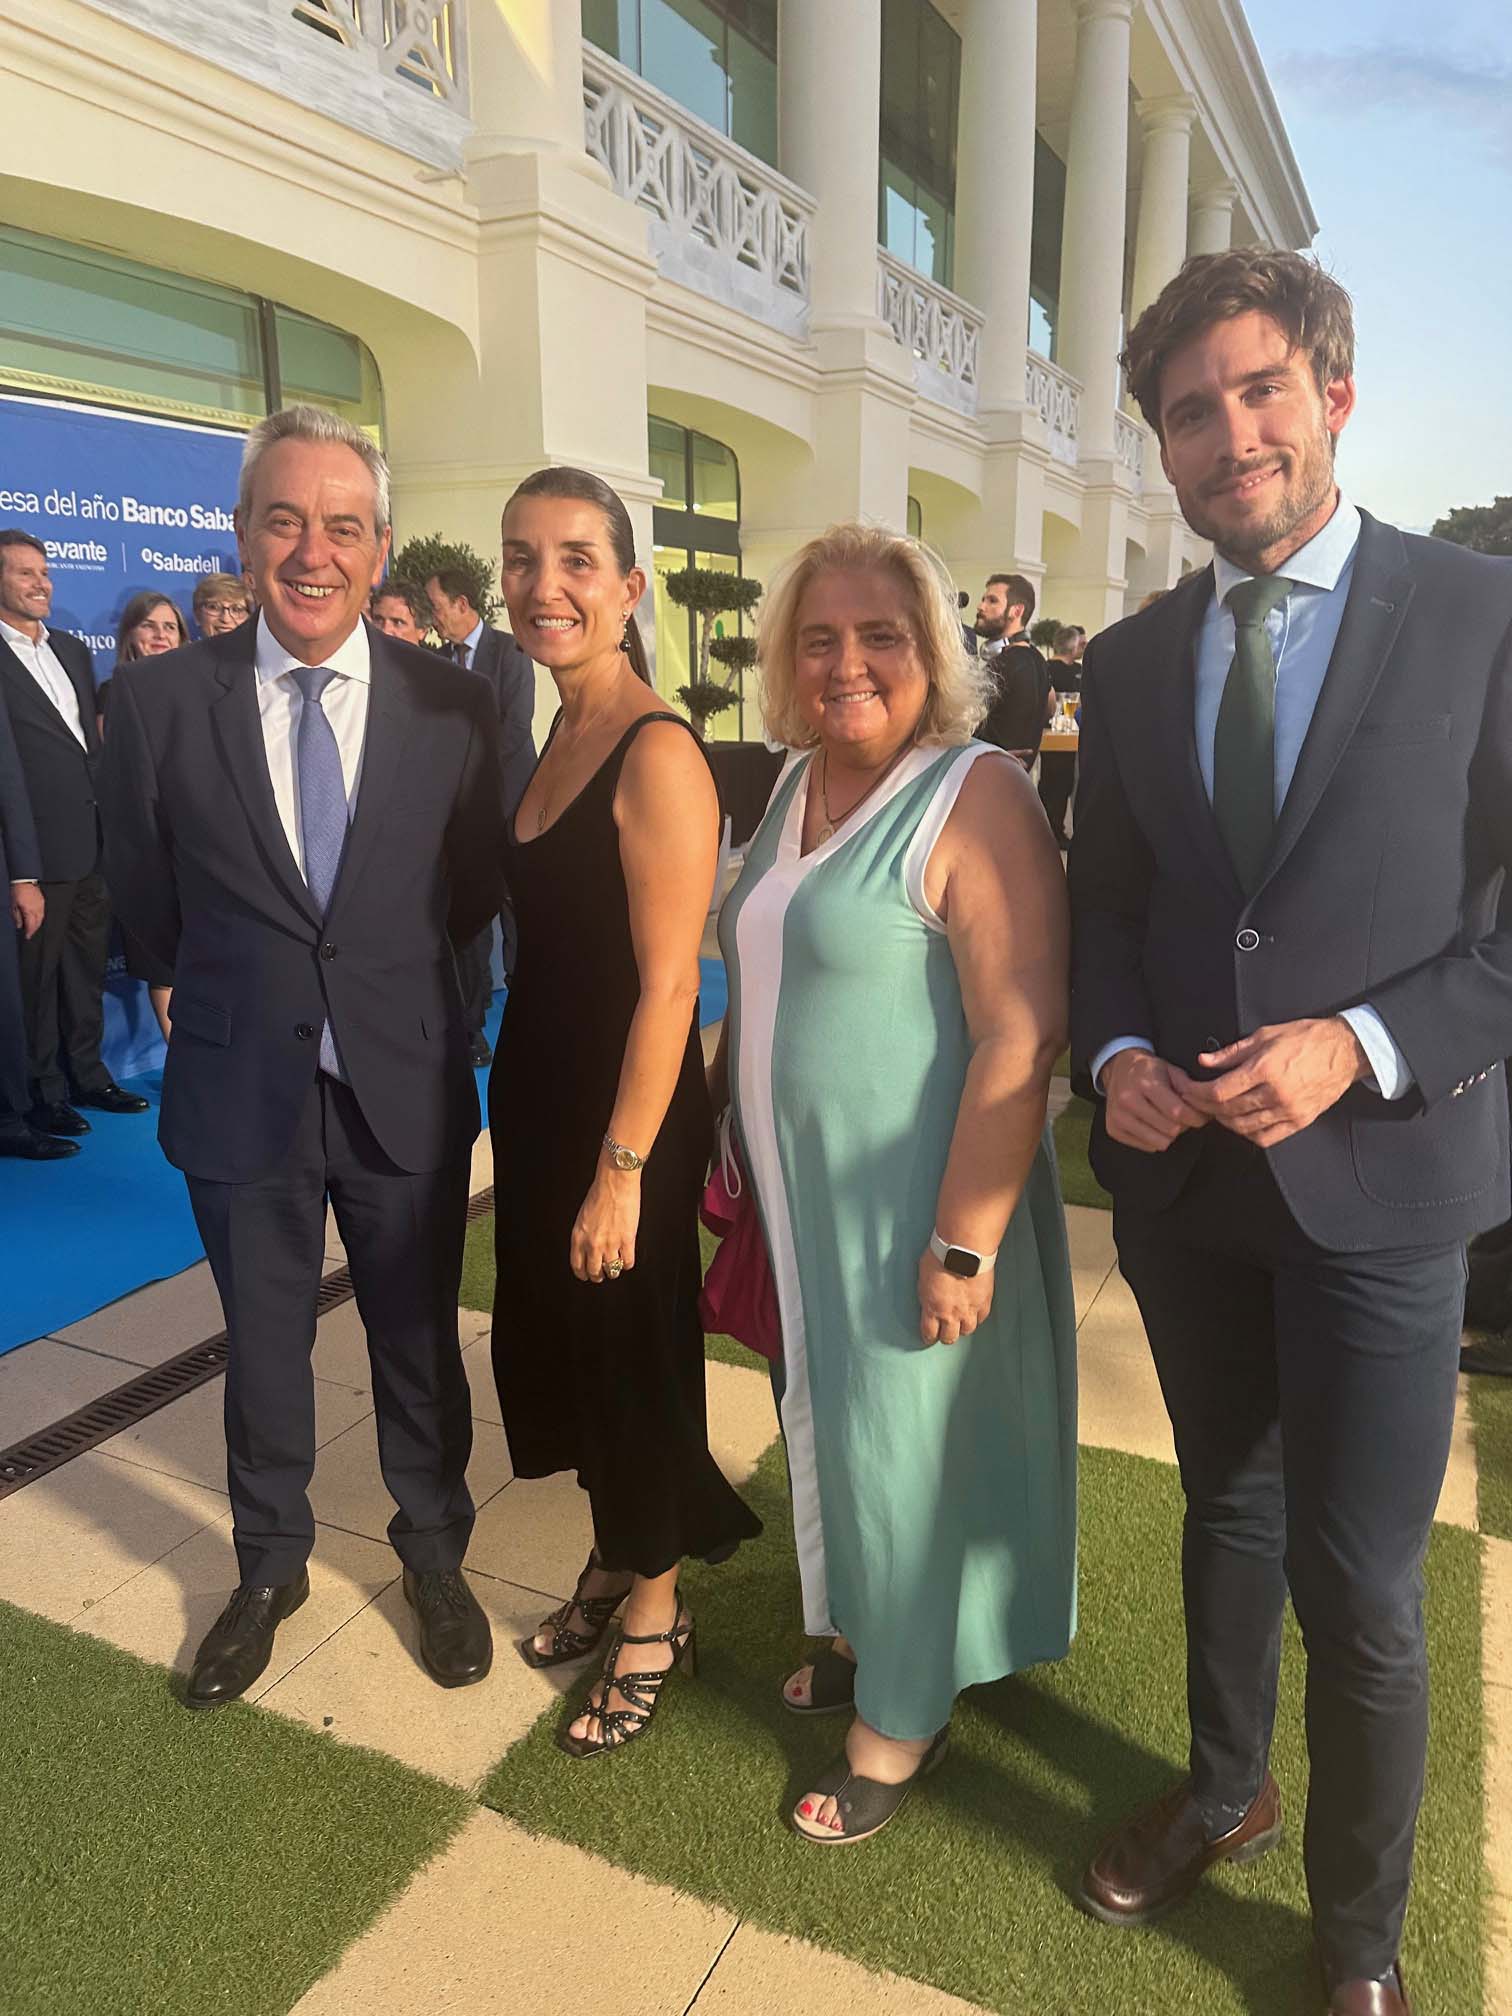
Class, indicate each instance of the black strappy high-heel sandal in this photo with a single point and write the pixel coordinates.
(619, 1726)
(566, 1645)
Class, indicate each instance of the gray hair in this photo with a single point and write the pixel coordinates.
(315, 423)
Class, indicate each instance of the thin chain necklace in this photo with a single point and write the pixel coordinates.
(559, 744)
(831, 819)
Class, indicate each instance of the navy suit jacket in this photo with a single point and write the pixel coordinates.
(201, 871)
(60, 776)
(1381, 887)
(20, 855)
(510, 673)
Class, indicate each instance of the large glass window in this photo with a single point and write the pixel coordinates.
(696, 524)
(921, 88)
(716, 57)
(1045, 249)
(82, 323)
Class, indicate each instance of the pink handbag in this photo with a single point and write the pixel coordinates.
(739, 1296)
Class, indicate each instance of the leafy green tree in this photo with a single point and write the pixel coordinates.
(1484, 528)
(418, 559)
(711, 594)
(1043, 632)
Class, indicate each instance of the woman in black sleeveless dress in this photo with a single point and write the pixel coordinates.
(599, 1112)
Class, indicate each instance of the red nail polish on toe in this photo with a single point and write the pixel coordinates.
(836, 1825)
(805, 1809)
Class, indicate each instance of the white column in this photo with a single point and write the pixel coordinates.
(1160, 243)
(829, 97)
(525, 68)
(995, 186)
(1212, 225)
(1092, 241)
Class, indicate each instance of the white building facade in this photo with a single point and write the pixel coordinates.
(763, 264)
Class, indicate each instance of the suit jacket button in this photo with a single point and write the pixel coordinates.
(328, 951)
(1248, 940)
(304, 1031)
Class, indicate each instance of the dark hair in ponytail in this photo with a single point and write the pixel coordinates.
(586, 488)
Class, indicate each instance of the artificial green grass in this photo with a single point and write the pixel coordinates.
(1491, 1419)
(1073, 1131)
(968, 1888)
(478, 1289)
(159, 1863)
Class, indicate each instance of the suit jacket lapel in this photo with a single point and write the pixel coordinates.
(1379, 592)
(382, 745)
(1175, 648)
(24, 692)
(238, 729)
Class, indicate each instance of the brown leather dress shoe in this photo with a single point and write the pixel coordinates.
(1158, 1857)
(1386, 1997)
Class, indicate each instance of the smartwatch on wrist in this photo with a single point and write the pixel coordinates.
(962, 1261)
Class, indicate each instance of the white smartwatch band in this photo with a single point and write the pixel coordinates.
(941, 1249)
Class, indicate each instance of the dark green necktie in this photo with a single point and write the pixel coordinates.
(1244, 745)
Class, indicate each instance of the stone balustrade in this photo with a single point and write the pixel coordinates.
(941, 332)
(723, 222)
(1056, 396)
(395, 70)
(1129, 446)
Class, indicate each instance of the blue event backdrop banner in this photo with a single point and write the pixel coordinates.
(121, 502)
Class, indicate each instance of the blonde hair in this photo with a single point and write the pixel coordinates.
(960, 687)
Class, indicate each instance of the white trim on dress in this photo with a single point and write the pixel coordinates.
(932, 825)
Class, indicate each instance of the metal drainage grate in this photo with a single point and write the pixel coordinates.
(127, 1404)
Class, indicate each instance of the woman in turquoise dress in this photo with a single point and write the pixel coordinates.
(897, 952)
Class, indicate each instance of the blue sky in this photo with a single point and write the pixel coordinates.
(1400, 114)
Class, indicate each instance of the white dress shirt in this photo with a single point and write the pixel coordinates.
(39, 658)
(1302, 631)
(280, 702)
(470, 645)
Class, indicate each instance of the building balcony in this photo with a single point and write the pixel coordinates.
(1056, 397)
(393, 69)
(1129, 437)
(722, 222)
(940, 331)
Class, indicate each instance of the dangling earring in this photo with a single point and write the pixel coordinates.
(624, 642)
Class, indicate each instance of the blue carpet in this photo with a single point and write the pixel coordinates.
(82, 1233)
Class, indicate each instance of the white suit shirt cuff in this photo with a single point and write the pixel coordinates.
(1110, 1050)
(1391, 1075)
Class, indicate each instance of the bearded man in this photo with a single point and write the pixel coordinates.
(1291, 996)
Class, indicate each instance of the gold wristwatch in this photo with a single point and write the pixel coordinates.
(623, 1158)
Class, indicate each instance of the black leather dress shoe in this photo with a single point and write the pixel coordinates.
(53, 1117)
(31, 1146)
(456, 1645)
(239, 1644)
(111, 1099)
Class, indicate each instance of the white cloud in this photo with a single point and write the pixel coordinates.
(1447, 90)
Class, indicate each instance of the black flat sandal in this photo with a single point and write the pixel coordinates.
(832, 1687)
(619, 1726)
(567, 1645)
(866, 1804)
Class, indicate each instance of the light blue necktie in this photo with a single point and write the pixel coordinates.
(322, 809)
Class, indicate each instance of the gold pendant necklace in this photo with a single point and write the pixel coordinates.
(831, 820)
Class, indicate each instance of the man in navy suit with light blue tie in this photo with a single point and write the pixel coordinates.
(1290, 997)
(301, 818)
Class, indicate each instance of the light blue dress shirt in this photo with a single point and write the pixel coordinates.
(1303, 631)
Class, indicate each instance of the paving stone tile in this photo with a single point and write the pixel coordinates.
(477, 1361)
(1119, 1399)
(501, 1921)
(742, 1417)
(162, 1613)
(786, 1977)
(1457, 1504)
(188, 1438)
(43, 1381)
(365, 1684)
(155, 1323)
(536, 1534)
(347, 1489)
(482, 1174)
(1093, 1256)
(72, 1537)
